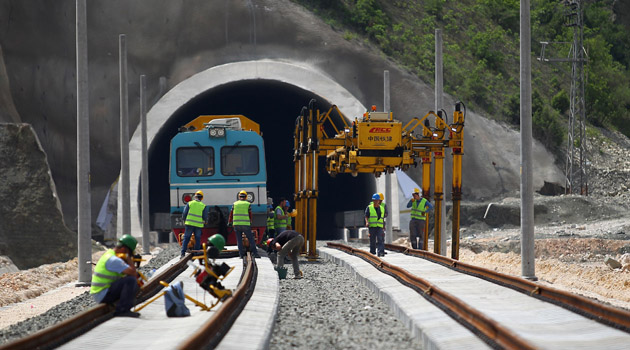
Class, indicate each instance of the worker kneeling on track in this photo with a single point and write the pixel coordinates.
(115, 277)
(288, 242)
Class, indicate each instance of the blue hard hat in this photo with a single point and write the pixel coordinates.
(375, 196)
(288, 204)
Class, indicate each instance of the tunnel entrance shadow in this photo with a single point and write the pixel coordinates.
(275, 106)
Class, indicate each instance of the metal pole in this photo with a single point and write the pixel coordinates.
(124, 136)
(388, 176)
(84, 238)
(527, 193)
(146, 242)
(439, 104)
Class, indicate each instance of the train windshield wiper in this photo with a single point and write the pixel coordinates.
(202, 149)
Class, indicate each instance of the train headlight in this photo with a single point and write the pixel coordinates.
(216, 132)
(250, 197)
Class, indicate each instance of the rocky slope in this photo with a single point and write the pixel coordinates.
(33, 232)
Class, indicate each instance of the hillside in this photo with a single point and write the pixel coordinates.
(481, 54)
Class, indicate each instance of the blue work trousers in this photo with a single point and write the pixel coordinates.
(377, 240)
(188, 233)
(238, 231)
(124, 291)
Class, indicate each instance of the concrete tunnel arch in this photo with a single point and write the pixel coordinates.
(299, 78)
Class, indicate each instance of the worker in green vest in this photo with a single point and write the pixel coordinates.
(115, 277)
(419, 207)
(374, 218)
(241, 218)
(195, 215)
(282, 218)
(271, 218)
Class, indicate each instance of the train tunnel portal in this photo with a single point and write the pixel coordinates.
(274, 100)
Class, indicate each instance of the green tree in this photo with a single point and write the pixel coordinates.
(560, 102)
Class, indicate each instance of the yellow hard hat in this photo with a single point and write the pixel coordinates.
(417, 190)
(199, 193)
(381, 195)
(242, 194)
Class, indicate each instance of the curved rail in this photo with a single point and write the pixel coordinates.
(71, 328)
(489, 330)
(210, 333)
(610, 316)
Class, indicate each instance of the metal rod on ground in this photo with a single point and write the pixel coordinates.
(146, 242)
(84, 239)
(124, 136)
(388, 176)
(527, 194)
(439, 104)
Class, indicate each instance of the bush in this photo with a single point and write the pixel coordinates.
(547, 127)
(560, 102)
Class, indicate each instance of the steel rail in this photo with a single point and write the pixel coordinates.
(210, 334)
(82, 322)
(489, 330)
(610, 316)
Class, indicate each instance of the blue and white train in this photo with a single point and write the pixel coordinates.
(221, 156)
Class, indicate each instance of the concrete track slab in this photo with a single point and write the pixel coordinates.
(546, 325)
(428, 324)
(154, 330)
(253, 328)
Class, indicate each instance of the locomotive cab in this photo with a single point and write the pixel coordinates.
(219, 155)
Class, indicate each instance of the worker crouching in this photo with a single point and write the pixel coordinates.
(288, 242)
(115, 277)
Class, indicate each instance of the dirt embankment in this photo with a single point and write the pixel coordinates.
(575, 235)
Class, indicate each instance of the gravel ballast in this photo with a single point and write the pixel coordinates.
(330, 309)
(74, 306)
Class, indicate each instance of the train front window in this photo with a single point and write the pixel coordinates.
(239, 160)
(195, 161)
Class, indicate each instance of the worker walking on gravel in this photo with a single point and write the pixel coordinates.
(115, 277)
(195, 215)
(374, 218)
(419, 207)
(241, 218)
(290, 243)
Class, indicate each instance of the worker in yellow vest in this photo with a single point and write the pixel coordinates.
(115, 277)
(374, 218)
(241, 218)
(271, 221)
(282, 218)
(419, 207)
(195, 215)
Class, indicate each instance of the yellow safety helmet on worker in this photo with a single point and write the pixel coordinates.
(199, 194)
(417, 191)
